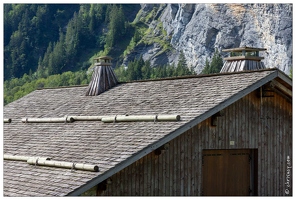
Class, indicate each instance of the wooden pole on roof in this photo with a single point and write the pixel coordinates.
(7, 120)
(22, 158)
(139, 118)
(61, 164)
(48, 120)
(87, 118)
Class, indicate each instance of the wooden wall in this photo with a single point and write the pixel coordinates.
(252, 123)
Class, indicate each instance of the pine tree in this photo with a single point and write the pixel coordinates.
(40, 69)
(215, 66)
(146, 70)
(116, 26)
(206, 69)
(45, 61)
(216, 63)
(92, 23)
(182, 68)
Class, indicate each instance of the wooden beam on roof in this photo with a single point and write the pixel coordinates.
(284, 95)
(280, 86)
(215, 116)
(61, 164)
(44, 161)
(87, 118)
(285, 78)
(48, 120)
(140, 118)
(7, 120)
(22, 158)
(240, 49)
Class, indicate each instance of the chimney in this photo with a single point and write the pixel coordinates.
(243, 59)
(103, 77)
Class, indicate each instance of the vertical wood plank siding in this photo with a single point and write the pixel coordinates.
(252, 123)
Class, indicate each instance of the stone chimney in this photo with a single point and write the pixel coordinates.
(103, 77)
(243, 59)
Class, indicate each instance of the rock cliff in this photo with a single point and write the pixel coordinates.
(197, 29)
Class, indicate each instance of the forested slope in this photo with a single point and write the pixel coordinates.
(50, 45)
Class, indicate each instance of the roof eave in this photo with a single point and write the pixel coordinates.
(284, 77)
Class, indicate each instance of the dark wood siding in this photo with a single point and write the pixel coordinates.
(264, 124)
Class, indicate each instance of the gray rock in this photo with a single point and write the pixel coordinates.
(197, 29)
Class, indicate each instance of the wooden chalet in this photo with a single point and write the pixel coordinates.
(221, 134)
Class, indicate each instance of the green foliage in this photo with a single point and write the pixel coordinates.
(150, 16)
(117, 27)
(157, 35)
(51, 45)
(28, 30)
(139, 30)
(140, 70)
(19, 87)
(136, 70)
(291, 72)
(215, 66)
(54, 38)
(182, 68)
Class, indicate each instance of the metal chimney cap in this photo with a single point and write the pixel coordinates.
(245, 48)
(103, 60)
(104, 57)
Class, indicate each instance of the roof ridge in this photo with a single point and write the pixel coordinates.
(172, 78)
(203, 75)
(59, 87)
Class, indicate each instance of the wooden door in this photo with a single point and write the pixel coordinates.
(227, 172)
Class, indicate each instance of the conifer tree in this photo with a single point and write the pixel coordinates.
(182, 68)
(116, 26)
(92, 23)
(146, 70)
(206, 69)
(215, 66)
(216, 63)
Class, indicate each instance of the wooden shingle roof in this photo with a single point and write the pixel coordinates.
(110, 146)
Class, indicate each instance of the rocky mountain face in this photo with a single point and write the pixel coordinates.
(197, 29)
